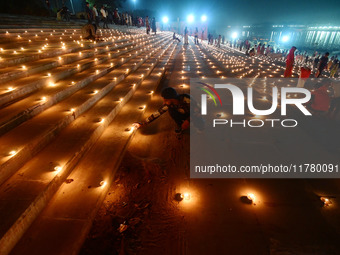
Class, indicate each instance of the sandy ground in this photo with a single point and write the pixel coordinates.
(214, 221)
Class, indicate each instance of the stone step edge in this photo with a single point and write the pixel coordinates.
(9, 167)
(31, 87)
(17, 74)
(13, 235)
(51, 54)
(32, 111)
(82, 236)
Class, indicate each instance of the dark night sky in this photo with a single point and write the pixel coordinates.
(243, 12)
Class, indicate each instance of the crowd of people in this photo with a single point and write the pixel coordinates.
(308, 64)
(325, 95)
(95, 15)
(150, 26)
(217, 41)
(316, 62)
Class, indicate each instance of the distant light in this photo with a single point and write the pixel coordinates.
(234, 35)
(186, 196)
(251, 197)
(191, 18)
(132, 128)
(204, 18)
(326, 201)
(12, 153)
(165, 19)
(182, 196)
(57, 168)
(285, 38)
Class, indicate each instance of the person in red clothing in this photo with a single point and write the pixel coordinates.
(290, 63)
(320, 98)
(258, 50)
(262, 49)
(304, 75)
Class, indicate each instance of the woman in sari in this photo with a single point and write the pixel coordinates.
(290, 63)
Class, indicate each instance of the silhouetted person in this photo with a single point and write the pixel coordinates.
(186, 36)
(196, 35)
(175, 38)
(322, 64)
(104, 17)
(147, 24)
(95, 15)
(153, 25)
(89, 13)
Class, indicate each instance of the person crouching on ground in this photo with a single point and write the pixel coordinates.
(89, 32)
(174, 37)
(178, 106)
